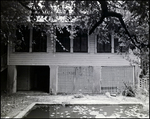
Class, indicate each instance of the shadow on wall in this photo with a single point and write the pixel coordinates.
(4, 80)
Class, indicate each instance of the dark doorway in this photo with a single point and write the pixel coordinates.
(40, 78)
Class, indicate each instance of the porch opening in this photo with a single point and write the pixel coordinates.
(33, 78)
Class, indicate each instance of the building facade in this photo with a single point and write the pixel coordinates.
(38, 61)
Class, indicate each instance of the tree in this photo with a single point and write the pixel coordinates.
(129, 20)
(11, 13)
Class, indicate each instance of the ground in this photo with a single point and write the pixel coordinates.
(13, 104)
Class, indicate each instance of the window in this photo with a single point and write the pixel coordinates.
(80, 42)
(103, 47)
(39, 40)
(119, 46)
(63, 43)
(38, 37)
(23, 36)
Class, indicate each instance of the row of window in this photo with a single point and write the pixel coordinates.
(39, 41)
(80, 42)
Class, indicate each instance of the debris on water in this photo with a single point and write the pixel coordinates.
(94, 113)
(99, 116)
(121, 111)
(67, 113)
(105, 113)
(84, 117)
(117, 115)
(68, 116)
(114, 95)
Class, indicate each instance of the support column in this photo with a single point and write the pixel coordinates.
(71, 45)
(136, 74)
(12, 79)
(53, 79)
(112, 42)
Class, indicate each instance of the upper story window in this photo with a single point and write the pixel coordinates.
(103, 47)
(39, 40)
(23, 36)
(63, 43)
(80, 42)
(119, 46)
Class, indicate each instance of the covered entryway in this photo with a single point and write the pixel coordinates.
(113, 78)
(40, 78)
(33, 78)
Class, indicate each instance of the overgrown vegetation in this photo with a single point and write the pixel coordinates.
(129, 91)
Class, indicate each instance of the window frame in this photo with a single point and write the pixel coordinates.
(103, 44)
(57, 45)
(81, 39)
(30, 42)
(45, 49)
(27, 28)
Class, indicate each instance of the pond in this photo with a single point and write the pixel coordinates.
(87, 111)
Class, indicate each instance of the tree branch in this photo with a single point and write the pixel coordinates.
(105, 13)
(28, 8)
(97, 24)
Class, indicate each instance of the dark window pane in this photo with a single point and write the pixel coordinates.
(63, 43)
(23, 37)
(76, 44)
(39, 41)
(104, 47)
(116, 45)
(80, 43)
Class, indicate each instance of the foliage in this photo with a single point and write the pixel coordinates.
(12, 13)
(138, 25)
(84, 14)
(129, 91)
